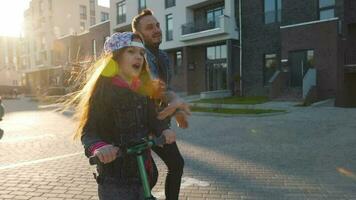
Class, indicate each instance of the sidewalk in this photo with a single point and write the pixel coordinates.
(287, 106)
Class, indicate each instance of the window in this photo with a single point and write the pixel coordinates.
(82, 26)
(216, 52)
(94, 49)
(169, 27)
(92, 20)
(43, 43)
(216, 67)
(44, 56)
(92, 5)
(92, 12)
(104, 16)
(326, 9)
(121, 12)
(270, 66)
(272, 11)
(178, 61)
(141, 5)
(14, 59)
(83, 12)
(213, 17)
(170, 3)
(49, 4)
(41, 6)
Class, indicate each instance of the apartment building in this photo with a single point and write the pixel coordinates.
(75, 53)
(301, 49)
(80, 48)
(47, 20)
(200, 36)
(10, 74)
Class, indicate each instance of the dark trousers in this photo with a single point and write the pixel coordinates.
(111, 191)
(174, 161)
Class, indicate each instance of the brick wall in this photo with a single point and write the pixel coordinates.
(323, 39)
(258, 39)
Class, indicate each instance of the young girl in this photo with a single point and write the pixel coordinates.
(117, 107)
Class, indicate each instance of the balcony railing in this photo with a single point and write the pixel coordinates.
(199, 26)
(120, 19)
(350, 58)
(223, 25)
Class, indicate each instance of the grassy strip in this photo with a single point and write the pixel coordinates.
(234, 111)
(235, 100)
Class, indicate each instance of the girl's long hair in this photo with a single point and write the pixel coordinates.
(93, 89)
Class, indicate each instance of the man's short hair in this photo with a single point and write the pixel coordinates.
(136, 20)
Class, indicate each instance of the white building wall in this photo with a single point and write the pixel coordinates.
(182, 13)
(9, 73)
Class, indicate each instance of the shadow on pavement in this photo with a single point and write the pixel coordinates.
(274, 158)
(21, 105)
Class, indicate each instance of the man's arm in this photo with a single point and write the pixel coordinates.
(159, 127)
(177, 108)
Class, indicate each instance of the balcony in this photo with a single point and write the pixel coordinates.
(350, 62)
(350, 58)
(199, 29)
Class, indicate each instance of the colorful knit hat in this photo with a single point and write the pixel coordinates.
(115, 42)
(120, 40)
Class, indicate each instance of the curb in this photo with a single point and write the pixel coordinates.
(208, 114)
(321, 103)
(239, 106)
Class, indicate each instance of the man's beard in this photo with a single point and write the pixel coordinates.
(153, 44)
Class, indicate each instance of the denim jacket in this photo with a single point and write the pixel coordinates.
(130, 118)
(165, 62)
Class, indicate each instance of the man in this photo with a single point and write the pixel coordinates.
(148, 27)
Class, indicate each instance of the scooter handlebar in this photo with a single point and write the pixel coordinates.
(161, 140)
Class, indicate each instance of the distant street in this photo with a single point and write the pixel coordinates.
(308, 153)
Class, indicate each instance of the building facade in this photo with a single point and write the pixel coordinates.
(299, 49)
(200, 36)
(75, 53)
(47, 20)
(10, 72)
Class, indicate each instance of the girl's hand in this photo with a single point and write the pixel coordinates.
(107, 153)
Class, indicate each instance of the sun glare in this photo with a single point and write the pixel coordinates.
(11, 17)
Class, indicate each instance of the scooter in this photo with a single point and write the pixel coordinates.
(137, 149)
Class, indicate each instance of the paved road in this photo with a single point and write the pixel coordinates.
(308, 153)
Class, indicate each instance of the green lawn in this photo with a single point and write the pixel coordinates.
(235, 100)
(234, 111)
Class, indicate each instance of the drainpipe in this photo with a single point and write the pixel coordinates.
(240, 35)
